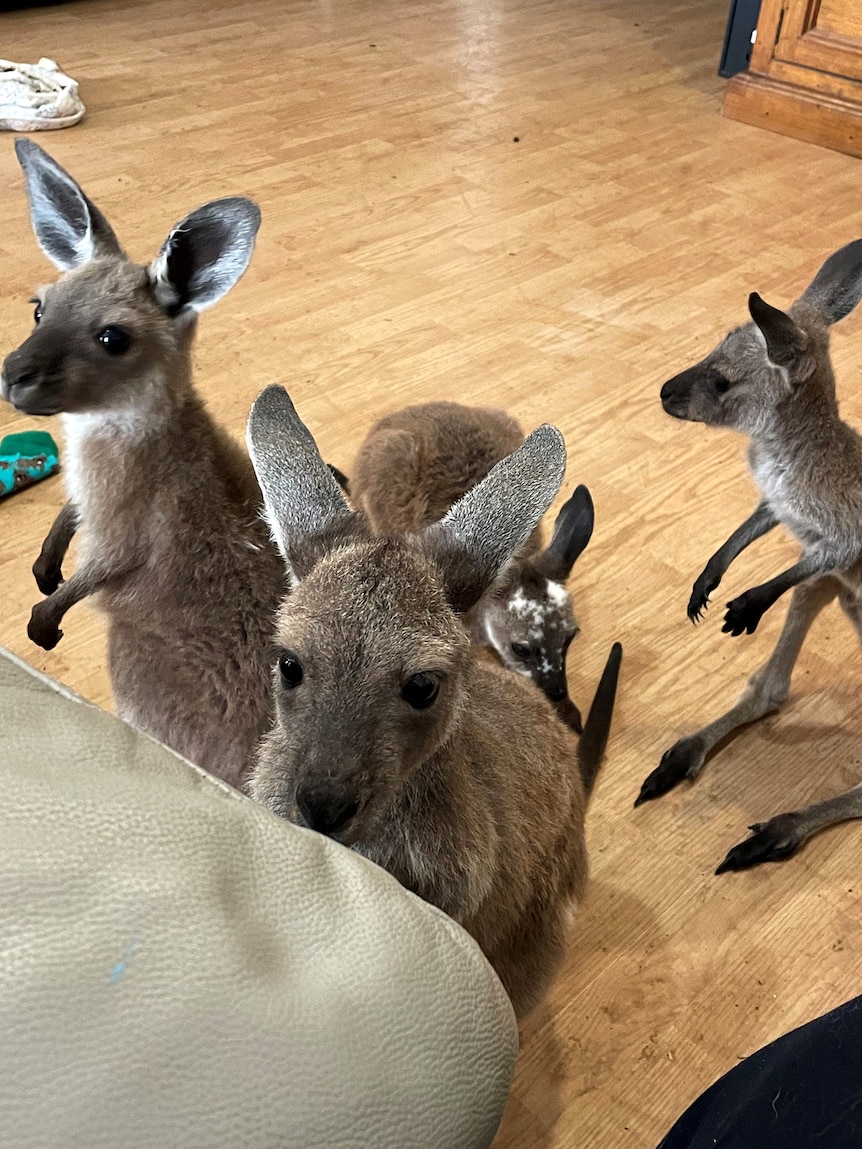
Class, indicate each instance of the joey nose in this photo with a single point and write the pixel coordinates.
(553, 685)
(674, 395)
(18, 374)
(325, 811)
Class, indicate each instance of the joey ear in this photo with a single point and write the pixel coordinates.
(205, 254)
(301, 495)
(837, 286)
(785, 342)
(482, 531)
(572, 531)
(69, 228)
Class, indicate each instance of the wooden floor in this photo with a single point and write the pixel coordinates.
(536, 205)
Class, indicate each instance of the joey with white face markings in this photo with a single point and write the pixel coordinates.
(167, 504)
(772, 379)
(391, 735)
(414, 464)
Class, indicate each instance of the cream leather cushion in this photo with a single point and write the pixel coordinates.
(179, 969)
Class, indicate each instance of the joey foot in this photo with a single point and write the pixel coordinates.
(771, 841)
(744, 613)
(684, 760)
(703, 587)
(42, 627)
(48, 575)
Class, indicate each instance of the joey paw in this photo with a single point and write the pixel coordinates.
(771, 841)
(743, 615)
(42, 627)
(48, 575)
(684, 760)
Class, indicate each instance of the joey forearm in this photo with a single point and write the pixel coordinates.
(746, 611)
(47, 568)
(46, 616)
(759, 523)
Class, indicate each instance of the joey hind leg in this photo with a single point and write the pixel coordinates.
(47, 568)
(781, 836)
(764, 693)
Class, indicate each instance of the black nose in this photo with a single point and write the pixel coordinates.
(325, 811)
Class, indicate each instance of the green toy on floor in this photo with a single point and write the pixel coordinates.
(26, 458)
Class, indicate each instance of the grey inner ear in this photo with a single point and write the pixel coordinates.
(69, 227)
(837, 287)
(205, 254)
(301, 495)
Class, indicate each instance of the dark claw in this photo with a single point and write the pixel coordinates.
(699, 600)
(696, 608)
(683, 760)
(771, 841)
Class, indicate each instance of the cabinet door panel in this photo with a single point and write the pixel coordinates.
(822, 34)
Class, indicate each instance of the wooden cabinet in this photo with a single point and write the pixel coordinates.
(805, 77)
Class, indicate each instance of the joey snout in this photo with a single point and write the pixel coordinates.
(676, 395)
(329, 809)
(553, 684)
(28, 387)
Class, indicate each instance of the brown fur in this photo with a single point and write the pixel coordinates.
(172, 544)
(474, 802)
(413, 465)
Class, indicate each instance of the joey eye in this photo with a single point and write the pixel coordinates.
(115, 340)
(721, 383)
(421, 690)
(521, 650)
(290, 669)
(37, 312)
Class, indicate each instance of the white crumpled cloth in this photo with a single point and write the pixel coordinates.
(37, 96)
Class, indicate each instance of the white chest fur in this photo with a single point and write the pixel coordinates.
(114, 430)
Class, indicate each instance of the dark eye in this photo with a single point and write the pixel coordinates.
(114, 340)
(37, 313)
(420, 691)
(721, 383)
(521, 650)
(290, 669)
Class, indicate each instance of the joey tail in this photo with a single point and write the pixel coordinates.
(594, 739)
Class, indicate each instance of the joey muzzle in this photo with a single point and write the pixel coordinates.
(676, 393)
(327, 809)
(554, 685)
(28, 386)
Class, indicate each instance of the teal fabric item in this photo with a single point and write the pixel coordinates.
(26, 458)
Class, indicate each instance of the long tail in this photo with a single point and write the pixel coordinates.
(594, 739)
